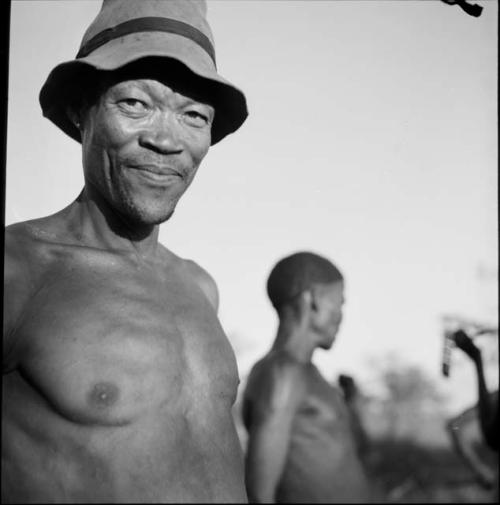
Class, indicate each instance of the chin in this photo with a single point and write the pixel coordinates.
(148, 215)
(146, 208)
(145, 218)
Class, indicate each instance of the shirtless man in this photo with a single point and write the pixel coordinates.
(301, 447)
(118, 380)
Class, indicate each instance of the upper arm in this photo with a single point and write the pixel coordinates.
(278, 392)
(274, 397)
(205, 283)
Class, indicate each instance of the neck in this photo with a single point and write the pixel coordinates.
(293, 338)
(98, 225)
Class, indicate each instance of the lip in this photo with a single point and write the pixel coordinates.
(156, 174)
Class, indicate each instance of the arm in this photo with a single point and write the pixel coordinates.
(465, 435)
(487, 411)
(270, 430)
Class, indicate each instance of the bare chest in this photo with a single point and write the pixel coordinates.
(322, 407)
(106, 342)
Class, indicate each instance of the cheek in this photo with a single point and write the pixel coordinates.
(201, 151)
(198, 151)
(102, 145)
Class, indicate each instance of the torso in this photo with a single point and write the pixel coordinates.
(118, 384)
(322, 465)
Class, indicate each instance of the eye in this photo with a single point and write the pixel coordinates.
(133, 104)
(196, 118)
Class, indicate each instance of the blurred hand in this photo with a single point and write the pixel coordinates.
(346, 382)
(464, 343)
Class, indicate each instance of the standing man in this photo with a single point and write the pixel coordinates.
(118, 380)
(300, 446)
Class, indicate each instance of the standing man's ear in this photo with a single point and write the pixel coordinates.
(306, 299)
(304, 306)
(314, 298)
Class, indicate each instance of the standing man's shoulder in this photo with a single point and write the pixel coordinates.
(277, 381)
(277, 365)
(205, 282)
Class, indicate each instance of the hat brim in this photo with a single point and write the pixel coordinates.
(64, 82)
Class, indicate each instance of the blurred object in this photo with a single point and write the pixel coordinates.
(348, 386)
(448, 344)
(451, 325)
(474, 328)
(411, 458)
(471, 9)
(410, 472)
(354, 403)
(487, 405)
(465, 433)
(410, 405)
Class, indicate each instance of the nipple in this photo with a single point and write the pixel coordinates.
(103, 394)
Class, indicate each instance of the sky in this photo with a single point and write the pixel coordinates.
(371, 139)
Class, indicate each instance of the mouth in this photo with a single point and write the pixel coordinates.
(156, 174)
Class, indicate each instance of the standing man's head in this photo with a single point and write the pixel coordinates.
(144, 98)
(305, 282)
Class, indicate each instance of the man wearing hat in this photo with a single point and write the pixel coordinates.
(301, 446)
(118, 378)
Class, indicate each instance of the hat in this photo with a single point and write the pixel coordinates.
(125, 31)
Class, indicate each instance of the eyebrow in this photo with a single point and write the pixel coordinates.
(147, 87)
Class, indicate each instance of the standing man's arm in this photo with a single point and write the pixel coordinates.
(270, 430)
(488, 413)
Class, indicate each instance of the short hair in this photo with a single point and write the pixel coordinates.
(298, 272)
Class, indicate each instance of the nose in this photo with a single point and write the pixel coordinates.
(162, 134)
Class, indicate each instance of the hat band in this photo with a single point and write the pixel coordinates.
(148, 24)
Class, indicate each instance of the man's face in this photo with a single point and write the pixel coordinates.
(142, 144)
(328, 314)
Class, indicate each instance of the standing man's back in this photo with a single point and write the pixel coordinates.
(300, 445)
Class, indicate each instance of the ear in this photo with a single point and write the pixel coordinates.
(306, 299)
(304, 308)
(73, 116)
(314, 298)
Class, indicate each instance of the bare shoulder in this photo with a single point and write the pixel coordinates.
(204, 281)
(25, 241)
(276, 382)
(18, 250)
(21, 250)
